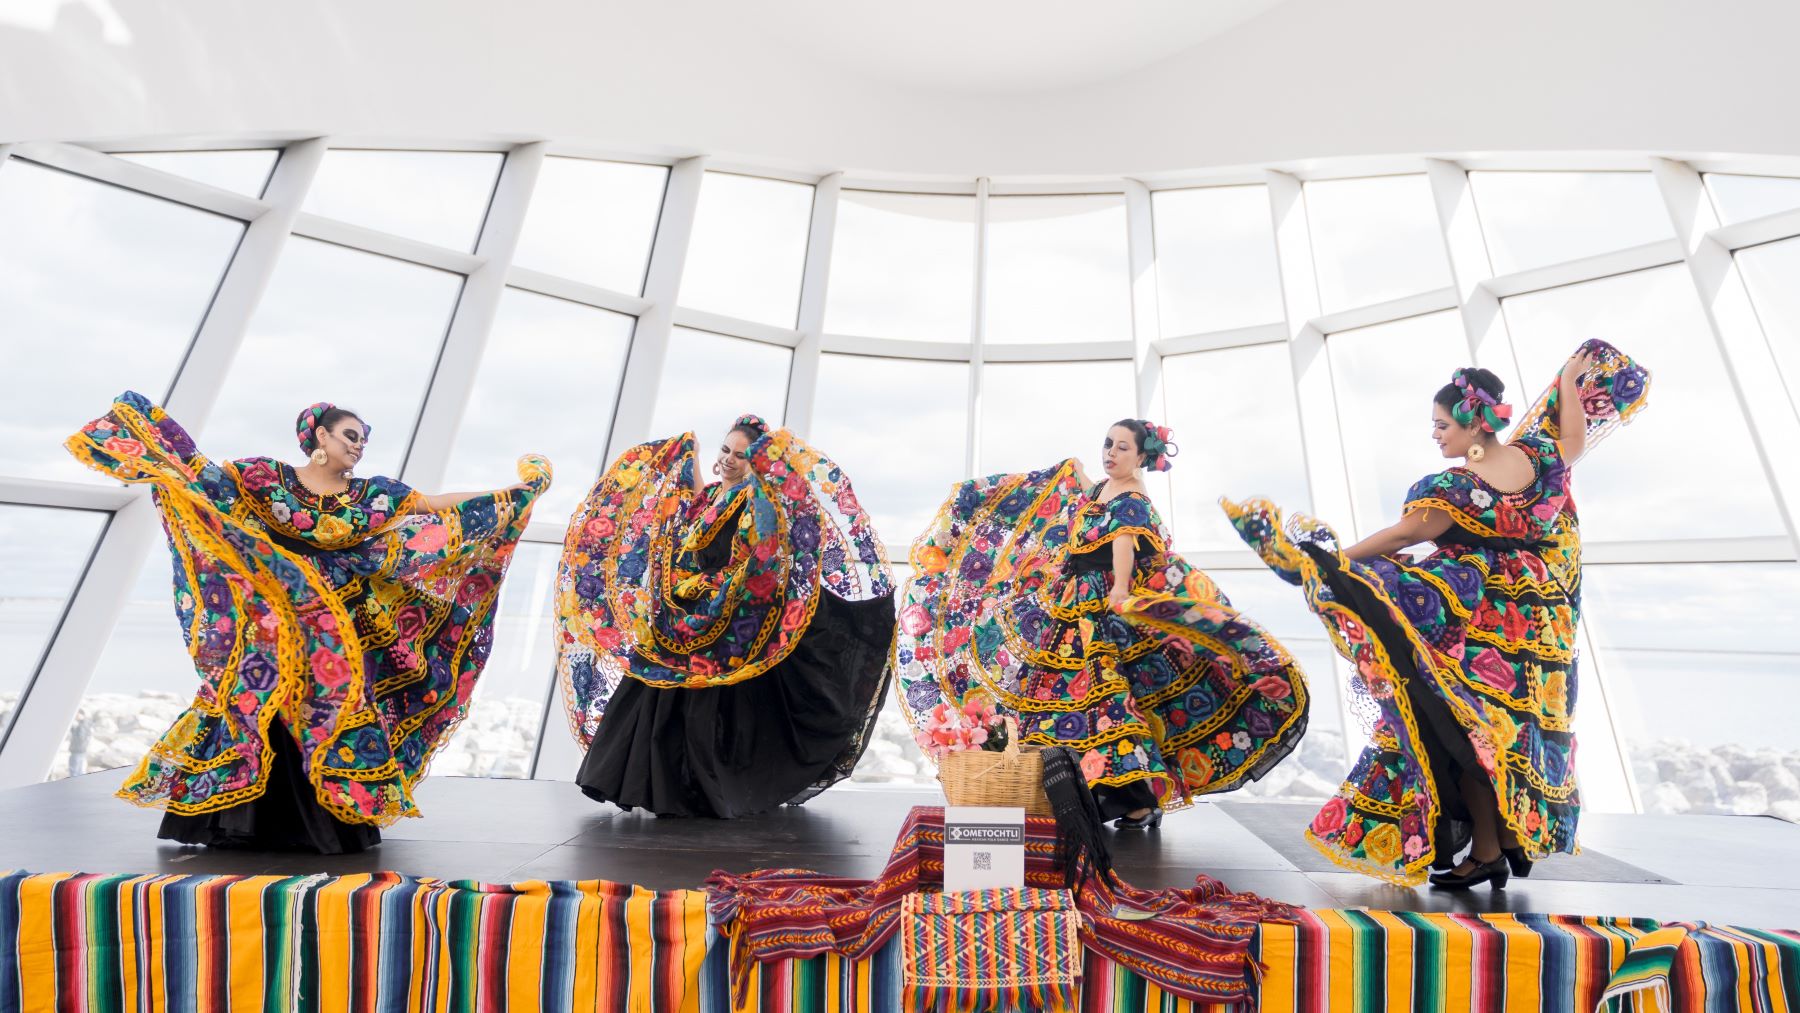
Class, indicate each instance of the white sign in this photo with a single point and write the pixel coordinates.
(984, 848)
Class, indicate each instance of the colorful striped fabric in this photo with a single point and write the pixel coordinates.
(1197, 945)
(991, 949)
(196, 944)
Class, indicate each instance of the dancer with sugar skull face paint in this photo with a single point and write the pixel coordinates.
(1468, 654)
(1058, 600)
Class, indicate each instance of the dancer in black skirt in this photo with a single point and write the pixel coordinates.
(725, 648)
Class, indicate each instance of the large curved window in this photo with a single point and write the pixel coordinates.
(101, 291)
(938, 329)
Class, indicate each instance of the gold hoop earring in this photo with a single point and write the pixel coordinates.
(319, 457)
(1477, 452)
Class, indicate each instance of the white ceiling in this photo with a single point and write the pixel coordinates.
(989, 47)
(1002, 88)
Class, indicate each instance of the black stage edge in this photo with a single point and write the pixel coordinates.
(1722, 869)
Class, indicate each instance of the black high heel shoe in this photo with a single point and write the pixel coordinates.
(1494, 872)
(1517, 862)
(1149, 821)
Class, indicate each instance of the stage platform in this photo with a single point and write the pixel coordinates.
(1731, 870)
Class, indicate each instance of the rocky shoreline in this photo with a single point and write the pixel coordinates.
(498, 737)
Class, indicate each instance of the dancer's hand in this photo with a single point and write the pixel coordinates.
(1578, 364)
(1116, 600)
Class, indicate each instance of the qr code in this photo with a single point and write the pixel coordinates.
(984, 861)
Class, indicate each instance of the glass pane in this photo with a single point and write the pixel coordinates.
(337, 325)
(42, 555)
(749, 248)
(500, 734)
(1773, 273)
(519, 406)
(1034, 414)
(437, 197)
(1058, 269)
(101, 291)
(1247, 393)
(1215, 259)
(245, 172)
(902, 266)
(1537, 218)
(593, 221)
(1741, 198)
(900, 428)
(1375, 239)
(1318, 766)
(143, 682)
(709, 380)
(1626, 489)
(1384, 377)
(1662, 631)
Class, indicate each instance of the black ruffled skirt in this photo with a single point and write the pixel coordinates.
(286, 817)
(779, 737)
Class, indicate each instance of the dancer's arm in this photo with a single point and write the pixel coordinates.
(1419, 526)
(451, 500)
(1124, 553)
(1571, 417)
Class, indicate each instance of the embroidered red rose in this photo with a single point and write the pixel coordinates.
(1330, 819)
(258, 476)
(123, 446)
(1492, 669)
(330, 669)
(429, 538)
(1273, 686)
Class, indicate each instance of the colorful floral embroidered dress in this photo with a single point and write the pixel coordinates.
(1177, 691)
(723, 650)
(358, 623)
(1468, 654)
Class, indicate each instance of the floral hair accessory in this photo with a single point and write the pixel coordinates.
(1157, 448)
(752, 420)
(306, 425)
(1478, 405)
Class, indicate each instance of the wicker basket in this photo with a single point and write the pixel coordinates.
(1011, 778)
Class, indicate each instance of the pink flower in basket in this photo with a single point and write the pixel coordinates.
(976, 725)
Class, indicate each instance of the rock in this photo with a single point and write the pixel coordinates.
(1311, 786)
(1747, 799)
(1699, 787)
(1665, 798)
(1776, 780)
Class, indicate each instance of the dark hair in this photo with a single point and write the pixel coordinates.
(1152, 442)
(1483, 379)
(752, 431)
(333, 416)
(1139, 433)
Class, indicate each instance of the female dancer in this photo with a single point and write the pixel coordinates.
(338, 625)
(1059, 600)
(1468, 653)
(725, 647)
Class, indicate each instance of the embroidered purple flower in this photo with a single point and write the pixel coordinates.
(1465, 581)
(1259, 723)
(805, 534)
(968, 500)
(1130, 511)
(923, 695)
(1628, 385)
(256, 673)
(589, 585)
(631, 566)
(1421, 603)
(975, 567)
(1070, 726)
(1015, 503)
